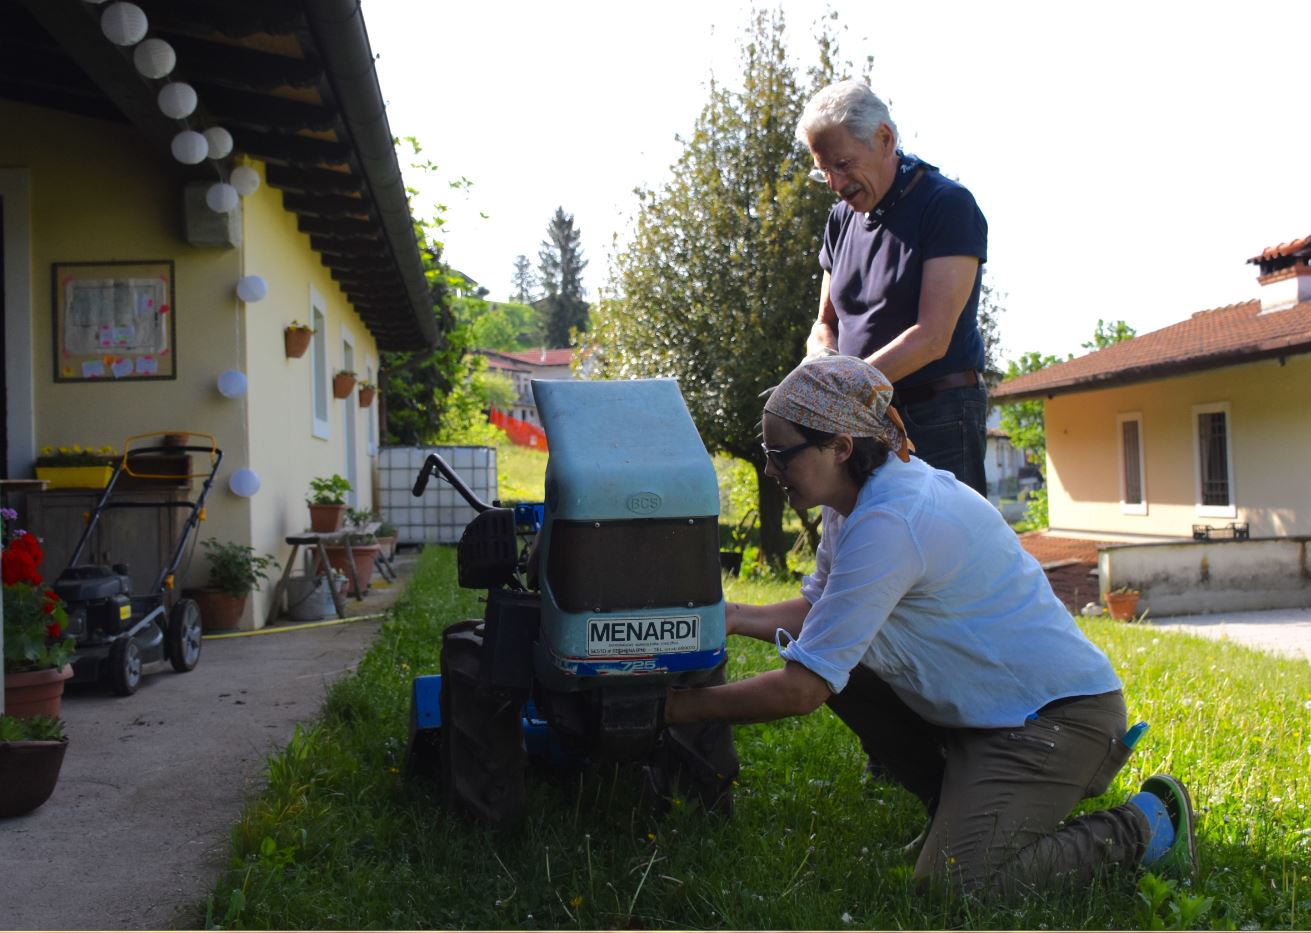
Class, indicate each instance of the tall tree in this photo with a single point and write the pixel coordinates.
(991, 308)
(524, 281)
(561, 264)
(717, 285)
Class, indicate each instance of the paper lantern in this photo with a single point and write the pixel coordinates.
(124, 23)
(252, 288)
(221, 197)
(220, 142)
(154, 58)
(232, 384)
(177, 99)
(190, 147)
(245, 179)
(244, 483)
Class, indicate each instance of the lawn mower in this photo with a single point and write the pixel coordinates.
(120, 633)
(598, 600)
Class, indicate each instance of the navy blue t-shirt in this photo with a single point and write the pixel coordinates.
(876, 273)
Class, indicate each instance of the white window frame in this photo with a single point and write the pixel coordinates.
(1127, 507)
(320, 427)
(15, 194)
(1214, 511)
(350, 433)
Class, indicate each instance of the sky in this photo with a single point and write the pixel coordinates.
(1129, 156)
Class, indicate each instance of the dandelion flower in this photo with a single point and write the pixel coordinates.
(1307, 705)
(576, 901)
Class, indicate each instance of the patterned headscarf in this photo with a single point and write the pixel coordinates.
(841, 395)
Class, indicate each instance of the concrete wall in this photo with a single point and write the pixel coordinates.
(1211, 576)
(98, 192)
(1270, 444)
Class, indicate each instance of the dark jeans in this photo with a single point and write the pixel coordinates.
(950, 433)
(998, 796)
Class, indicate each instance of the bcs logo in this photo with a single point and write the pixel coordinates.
(643, 503)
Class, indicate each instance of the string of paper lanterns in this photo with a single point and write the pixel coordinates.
(125, 24)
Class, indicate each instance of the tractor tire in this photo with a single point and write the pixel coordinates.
(183, 635)
(482, 743)
(124, 667)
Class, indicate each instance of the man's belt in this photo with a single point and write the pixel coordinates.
(927, 390)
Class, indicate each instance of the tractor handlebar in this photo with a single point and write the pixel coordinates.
(436, 466)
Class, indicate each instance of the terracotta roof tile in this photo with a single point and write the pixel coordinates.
(1209, 339)
(542, 356)
(1291, 248)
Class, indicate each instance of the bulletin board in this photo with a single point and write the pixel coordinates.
(114, 321)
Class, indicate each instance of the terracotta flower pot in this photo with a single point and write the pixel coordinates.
(326, 518)
(28, 773)
(364, 563)
(367, 395)
(36, 693)
(342, 385)
(1122, 606)
(297, 340)
(219, 611)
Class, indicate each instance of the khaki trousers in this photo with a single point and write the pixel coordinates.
(997, 797)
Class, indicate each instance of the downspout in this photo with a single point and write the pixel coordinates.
(338, 29)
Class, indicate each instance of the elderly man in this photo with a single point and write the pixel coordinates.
(903, 258)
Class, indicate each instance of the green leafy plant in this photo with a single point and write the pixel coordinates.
(297, 325)
(235, 568)
(386, 530)
(30, 729)
(359, 517)
(328, 490)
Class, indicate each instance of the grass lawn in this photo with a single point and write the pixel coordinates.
(343, 837)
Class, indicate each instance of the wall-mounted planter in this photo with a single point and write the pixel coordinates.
(342, 384)
(298, 340)
(75, 477)
(367, 394)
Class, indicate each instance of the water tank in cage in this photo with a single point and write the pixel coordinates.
(440, 514)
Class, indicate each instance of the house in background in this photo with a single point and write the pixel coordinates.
(1205, 422)
(522, 367)
(1002, 461)
(90, 190)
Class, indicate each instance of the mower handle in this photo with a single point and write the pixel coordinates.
(435, 465)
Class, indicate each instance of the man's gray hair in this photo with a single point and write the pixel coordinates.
(847, 103)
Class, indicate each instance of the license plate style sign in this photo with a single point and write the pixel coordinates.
(620, 637)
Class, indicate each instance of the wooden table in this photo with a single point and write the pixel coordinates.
(319, 540)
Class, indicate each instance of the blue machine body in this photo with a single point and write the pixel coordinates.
(627, 466)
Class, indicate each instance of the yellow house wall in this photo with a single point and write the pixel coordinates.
(284, 451)
(99, 192)
(1270, 445)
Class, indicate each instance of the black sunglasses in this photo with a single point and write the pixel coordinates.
(781, 458)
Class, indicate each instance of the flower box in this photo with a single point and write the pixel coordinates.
(75, 477)
(343, 384)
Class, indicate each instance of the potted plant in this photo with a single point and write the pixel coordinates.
(387, 536)
(1122, 603)
(367, 392)
(327, 502)
(364, 552)
(31, 754)
(37, 651)
(297, 338)
(343, 383)
(76, 467)
(234, 571)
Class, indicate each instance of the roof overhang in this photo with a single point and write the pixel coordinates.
(294, 82)
(1272, 349)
